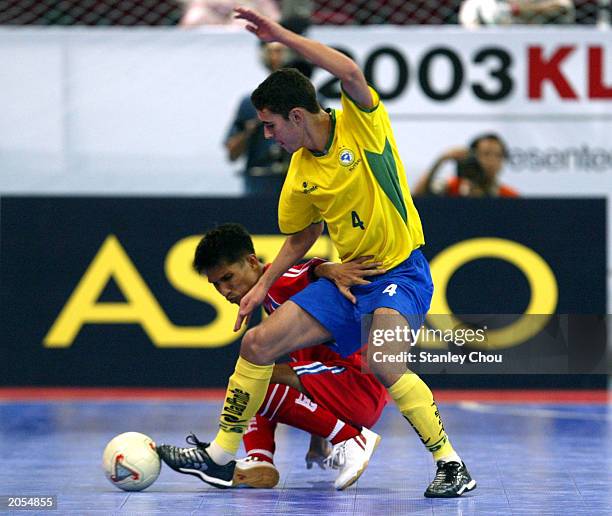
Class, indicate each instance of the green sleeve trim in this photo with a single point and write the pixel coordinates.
(332, 133)
(361, 108)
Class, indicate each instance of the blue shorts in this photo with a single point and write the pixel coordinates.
(406, 288)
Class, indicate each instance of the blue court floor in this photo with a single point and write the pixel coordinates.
(535, 459)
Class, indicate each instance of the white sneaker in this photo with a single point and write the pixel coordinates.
(352, 456)
(252, 472)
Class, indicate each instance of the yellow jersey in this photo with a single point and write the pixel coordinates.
(357, 185)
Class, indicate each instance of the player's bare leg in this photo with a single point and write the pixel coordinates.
(289, 328)
(415, 401)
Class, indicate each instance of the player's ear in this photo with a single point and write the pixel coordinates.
(252, 260)
(296, 115)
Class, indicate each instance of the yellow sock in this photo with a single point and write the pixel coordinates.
(415, 401)
(246, 391)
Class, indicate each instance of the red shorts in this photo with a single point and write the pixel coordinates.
(344, 390)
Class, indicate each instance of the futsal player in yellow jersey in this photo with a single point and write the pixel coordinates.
(359, 170)
(346, 171)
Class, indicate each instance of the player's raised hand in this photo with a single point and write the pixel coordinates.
(248, 304)
(348, 274)
(263, 27)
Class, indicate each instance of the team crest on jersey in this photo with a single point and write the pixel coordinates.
(346, 157)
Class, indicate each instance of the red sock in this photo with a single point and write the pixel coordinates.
(289, 406)
(346, 432)
(258, 439)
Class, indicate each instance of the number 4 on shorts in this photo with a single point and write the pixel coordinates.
(390, 289)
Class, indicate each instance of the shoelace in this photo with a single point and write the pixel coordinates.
(337, 457)
(193, 454)
(447, 472)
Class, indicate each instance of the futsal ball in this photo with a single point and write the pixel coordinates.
(130, 461)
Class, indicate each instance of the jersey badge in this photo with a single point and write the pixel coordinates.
(346, 157)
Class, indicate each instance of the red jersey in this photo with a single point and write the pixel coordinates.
(294, 280)
(328, 377)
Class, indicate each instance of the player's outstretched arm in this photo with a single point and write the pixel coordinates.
(341, 66)
(293, 250)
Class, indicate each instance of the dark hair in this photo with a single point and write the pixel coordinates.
(284, 90)
(227, 243)
(489, 136)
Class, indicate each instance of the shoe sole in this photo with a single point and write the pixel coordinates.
(470, 486)
(258, 477)
(363, 468)
(215, 482)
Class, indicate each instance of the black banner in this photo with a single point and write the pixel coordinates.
(100, 291)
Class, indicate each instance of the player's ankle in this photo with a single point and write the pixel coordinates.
(345, 433)
(451, 457)
(219, 455)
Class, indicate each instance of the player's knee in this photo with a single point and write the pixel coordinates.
(253, 347)
(383, 310)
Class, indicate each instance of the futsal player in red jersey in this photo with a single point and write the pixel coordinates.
(318, 391)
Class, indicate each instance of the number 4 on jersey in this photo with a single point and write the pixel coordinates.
(390, 289)
(357, 222)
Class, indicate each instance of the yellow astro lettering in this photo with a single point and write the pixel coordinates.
(542, 285)
(183, 278)
(140, 305)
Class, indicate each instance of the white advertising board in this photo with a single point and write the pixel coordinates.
(145, 111)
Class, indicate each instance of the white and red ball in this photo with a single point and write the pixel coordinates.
(130, 461)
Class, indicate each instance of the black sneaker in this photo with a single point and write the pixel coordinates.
(197, 462)
(452, 479)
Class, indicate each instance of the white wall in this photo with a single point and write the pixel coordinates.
(144, 111)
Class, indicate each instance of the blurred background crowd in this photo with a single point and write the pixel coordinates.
(470, 13)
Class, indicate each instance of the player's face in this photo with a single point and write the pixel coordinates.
(287, 133)
(490, 154)
(234, 280)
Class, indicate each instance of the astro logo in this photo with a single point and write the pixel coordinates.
(346, 157)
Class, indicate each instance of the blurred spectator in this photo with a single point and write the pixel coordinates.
(296, 9)
(476, 13)
(477, 171)
(221, 12)
(266, 162)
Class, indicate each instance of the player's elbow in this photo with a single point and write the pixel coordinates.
(352, 74)
(254, 349)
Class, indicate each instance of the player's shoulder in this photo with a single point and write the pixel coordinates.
(349, 104)
(297, 171)
(295, 270)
